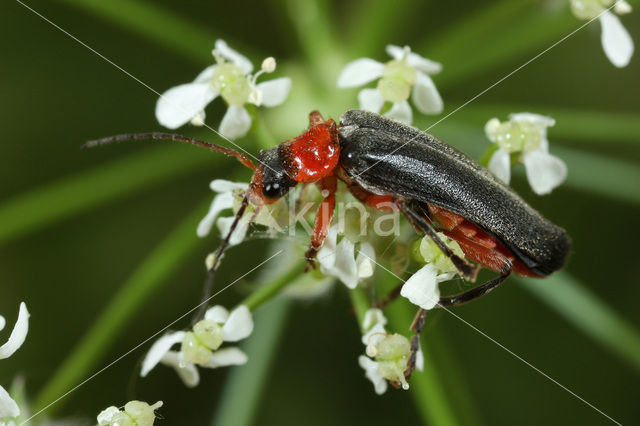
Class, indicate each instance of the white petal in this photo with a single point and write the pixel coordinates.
(8, 407)
(274, 92)
(227, 356)
(491, 129)
(359, 72)
(370, 100)
(537, 120)
(616, 41)
(158, 350)
(224, 226)
(372, 373)
(222, 185)
(374, 335)
(239, 325)
(366, 260)
(544, 171)
(401, 112)
(420, 359)
(187, 372)
(220, 202)
(422, 288)
(425, 96)
(344, 264)
(231, 55)
(235, 123)
(372, 317)
(206, 74)
(500, 165)
(217, 313)
(178, 105)
(105, 417)
(3, 322)
(18, 334)
(415, 60)
(327, 254)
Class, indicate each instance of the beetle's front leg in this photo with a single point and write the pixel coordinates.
(475, 292)
(323, 219)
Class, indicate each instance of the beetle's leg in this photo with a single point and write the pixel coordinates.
(315, 118)
(475, 292)
(416, 326)
(466, 269)
(322, 220)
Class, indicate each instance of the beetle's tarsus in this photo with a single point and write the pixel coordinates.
(416, 326)
(475, 292)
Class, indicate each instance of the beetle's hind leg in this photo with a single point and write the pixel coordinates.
(475, 292)
(466, 269)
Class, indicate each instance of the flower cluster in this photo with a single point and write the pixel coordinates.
(524, 138)
(201, 345)
(387, 354)
(231, 79)
(407, 74)
(8, 407)
(616, 41)
(135, 413)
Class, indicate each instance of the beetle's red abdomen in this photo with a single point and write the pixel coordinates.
(313, 155)
(476, 244)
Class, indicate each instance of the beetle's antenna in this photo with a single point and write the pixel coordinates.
(208, 284)
(172, 137)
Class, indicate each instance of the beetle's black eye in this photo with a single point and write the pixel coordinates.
(272, 190)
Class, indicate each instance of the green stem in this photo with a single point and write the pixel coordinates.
(272, 288)
(163, 261)
(427, 389)
(241, 394)
(360, 303)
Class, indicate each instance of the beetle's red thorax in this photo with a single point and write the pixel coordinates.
(314, 154)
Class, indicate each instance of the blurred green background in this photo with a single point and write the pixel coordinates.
(78, 228)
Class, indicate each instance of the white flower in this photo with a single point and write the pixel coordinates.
(525, 136)
(406, 74)
(135, 413)
(422, 287)
(338, 260)
(229, 78)
(616, 41)
(8, 407)
(200, 346)
(390, 353)
(225, 199)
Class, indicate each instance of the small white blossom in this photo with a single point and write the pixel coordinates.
(406, 74)
(338, 260)
(135, 413)
(225, 199)
(387, 354)
(200, 346)
(229, 78)
(422, 287)
(525, 135)
(616, 41)
(8, 407)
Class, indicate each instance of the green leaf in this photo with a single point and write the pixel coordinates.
(163, 261)
(241, 394)
(573, 301)
(156, 23)
(572, 124)
(372, 27)
(501, 34)
(72, 195)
